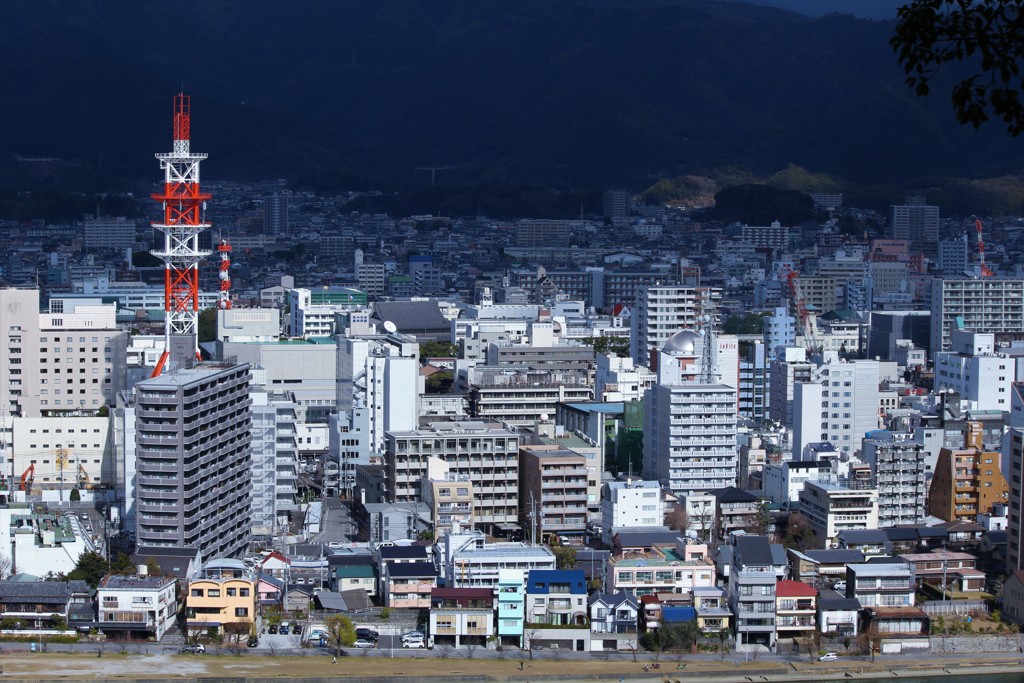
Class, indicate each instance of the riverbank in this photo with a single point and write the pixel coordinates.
(378, 668)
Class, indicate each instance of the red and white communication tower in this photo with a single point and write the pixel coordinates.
(224, 301)
(184, 206)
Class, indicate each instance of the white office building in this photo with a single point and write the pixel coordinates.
(973, 369)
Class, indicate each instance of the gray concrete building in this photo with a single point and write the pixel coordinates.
(193, 459)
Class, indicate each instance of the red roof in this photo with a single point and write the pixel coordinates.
(653, 599)
(794, 589)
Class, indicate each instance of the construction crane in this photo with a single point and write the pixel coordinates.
(983, 269)
(28, 478)
(807, 326)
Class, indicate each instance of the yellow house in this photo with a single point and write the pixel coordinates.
(222, 592)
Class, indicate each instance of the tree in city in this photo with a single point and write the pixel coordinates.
(759, 522)
(437, 349)
(91, 567)
(565, 556)
(236, 630)
(340, 632)
(616, 346)
(6, 565)
(75, 496)
(122, 564)
(799, 534)
(981, 38)
(677, 518)
(206, 328)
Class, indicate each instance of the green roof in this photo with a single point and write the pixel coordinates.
(354, 571)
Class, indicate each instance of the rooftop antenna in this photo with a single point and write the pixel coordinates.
(706, 323)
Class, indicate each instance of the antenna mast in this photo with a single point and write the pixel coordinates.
(184, 206)
(706, 321)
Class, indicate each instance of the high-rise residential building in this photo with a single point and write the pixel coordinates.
(774, 236)
(553, 492)
(275, 214)
(690, 437)
(991, 304)
(915, 221)
(753, 386)
(899, 468)
(264, 465)
(967, 481)
(486, 453)
(660, 312)
(1013, 453)
(954, 256)
(193, 459)
(110, 233)
(839, 405)
(617, 206)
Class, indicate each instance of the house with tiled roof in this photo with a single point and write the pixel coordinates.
(795, 610)
(613, 620)
(34, 605)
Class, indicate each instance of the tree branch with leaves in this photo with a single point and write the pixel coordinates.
(985, 36)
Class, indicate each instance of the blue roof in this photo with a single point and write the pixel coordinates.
(598, 407)
(541, 580)
(678, 614)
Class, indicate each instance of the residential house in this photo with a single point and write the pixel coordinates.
(736, 509)
(461, 615)
(269, 592)
(650, 613)
(408, 585)
(277, 565)
(613, 621)
(222, 592)
(796, 606)
(752, 580)
(916, 538)
(557, 597)
(822, 566)
(898, 629)
(838, 614)
(871, 542)
(946, 572)
(355, 577)
(140, 607)
(297, 598)
(35, 603)
(511, 592)
(881, 584)
(398, 554)
(964, 535)
(713, 613)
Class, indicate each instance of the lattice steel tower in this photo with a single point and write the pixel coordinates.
(184, 206)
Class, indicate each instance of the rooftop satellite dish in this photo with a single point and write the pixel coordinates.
(390, 327)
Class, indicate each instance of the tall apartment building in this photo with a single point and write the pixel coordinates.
(553, 492)
(109, 233)
(967, 481)
(690, 437)
(541, 232)
(1014, 457)
(991, 304)
(900, 469)
(193, 459)
(617, 206)
(915, 221)
(774, 236)
(754, 383)
(753, 575)
(484, 452)
(275, 213)
(660, 312)
(264, 465)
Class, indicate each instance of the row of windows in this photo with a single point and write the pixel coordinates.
(44, 340)
(215, 592)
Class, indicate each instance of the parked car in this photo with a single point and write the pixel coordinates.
(368, 634)
(414, 642)
(409, 635)
(829, 657)
(254, 641)
(364, 643)
(839, 586)
(272, 629)
(283, 630)
(196, 649)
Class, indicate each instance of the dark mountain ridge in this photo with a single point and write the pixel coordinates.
(555, 94)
